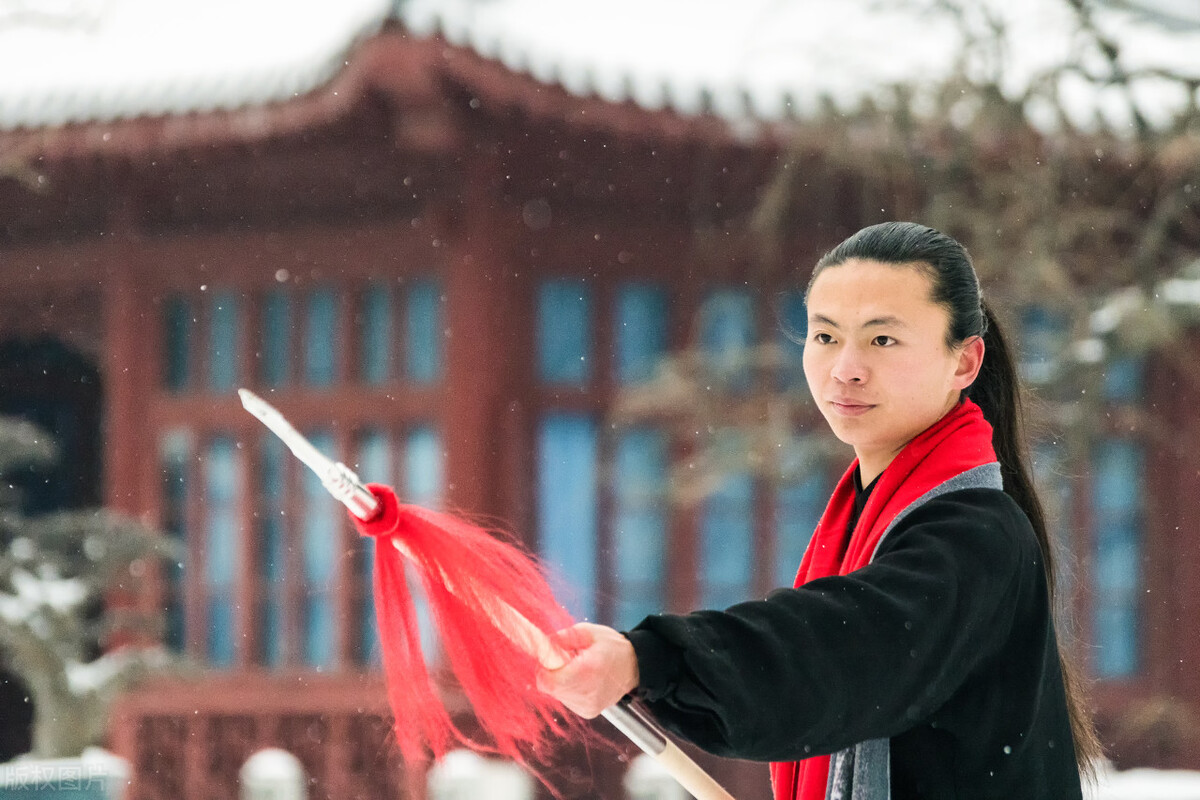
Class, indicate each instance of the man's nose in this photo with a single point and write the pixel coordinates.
(849, 366)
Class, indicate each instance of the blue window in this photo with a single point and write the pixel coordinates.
(275, 365)
(220, 548)
(423, 331)
(639, 525)
(793, 330)
(641, 334)
(321, 339)
(566, 470)
(223, 339)
(321, 533)
(374, 466)
(798, 509)
(178, 323)
(564, 332)
(423, 467)
(423, 487)
(176, 453)
(1051, 474)
(375, 458)
(368, 634)
(1043, 339)
(1124, 379)
(727, 336)
(375, 336)
(1117, 490)
(272, 550)
(727, 542)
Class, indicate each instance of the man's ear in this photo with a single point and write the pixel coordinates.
(970, 360)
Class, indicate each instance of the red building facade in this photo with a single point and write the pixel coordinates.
(445, 273)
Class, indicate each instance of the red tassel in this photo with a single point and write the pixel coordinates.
(467, 573)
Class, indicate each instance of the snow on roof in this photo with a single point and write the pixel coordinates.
(65, 61)
(770, 59)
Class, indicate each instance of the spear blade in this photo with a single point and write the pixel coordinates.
(336, 477)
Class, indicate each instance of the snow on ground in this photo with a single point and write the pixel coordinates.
(1147, 784)
(96, 773)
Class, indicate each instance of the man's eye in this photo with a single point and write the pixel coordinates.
(822, 338)
(884, 341)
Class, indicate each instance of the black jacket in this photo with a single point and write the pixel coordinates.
(944, 644)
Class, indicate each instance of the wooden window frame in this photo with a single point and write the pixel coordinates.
(346, 408)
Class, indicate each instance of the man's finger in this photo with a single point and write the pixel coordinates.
(573, 639)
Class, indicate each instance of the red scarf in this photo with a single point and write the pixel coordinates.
(959, 441)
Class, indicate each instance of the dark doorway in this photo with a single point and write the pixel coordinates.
(16, 717)
(46, 383)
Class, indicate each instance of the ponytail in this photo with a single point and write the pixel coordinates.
(997, 392)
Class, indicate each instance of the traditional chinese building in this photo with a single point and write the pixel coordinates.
(444, 270)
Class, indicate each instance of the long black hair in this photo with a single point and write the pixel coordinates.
(996, 390)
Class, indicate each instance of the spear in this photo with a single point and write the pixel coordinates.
(457, 564)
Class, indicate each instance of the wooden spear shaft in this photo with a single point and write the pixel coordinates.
(625, 715)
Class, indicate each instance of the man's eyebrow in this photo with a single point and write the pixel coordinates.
(894, 322)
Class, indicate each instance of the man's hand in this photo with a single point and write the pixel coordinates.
(601, 669)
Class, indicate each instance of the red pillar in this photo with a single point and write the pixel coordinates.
(1184, 524)
(129, 378)
(487, 349)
